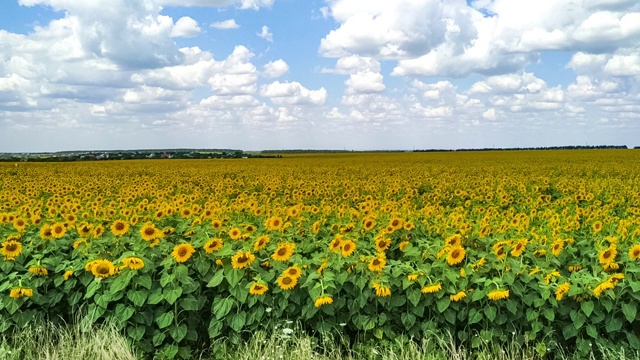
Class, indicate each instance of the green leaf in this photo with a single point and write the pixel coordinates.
(164, 320)
(144, 281)
(166, 279)
(629, 312)
(490, 312)
(569, 331)
(136, 332)
(633, 340)
(635, 286)
(549, 314)
(190, 304)
(123, 312)
(215, 328)
(233, 276)
(203, 265)
(592, 331)
(178, 332)
(155, 297)
(512, 306)
(408, 320)
(413, 296)
(92, 288)
(158, 338)
(221, 307)
(613, 325)
(171, 295)
(587, 307)
(237, 321)
(216, 279)
(121, 281)
(443, 303)
(137, 297)
(475, 316)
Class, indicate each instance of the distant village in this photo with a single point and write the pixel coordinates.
(133, 155)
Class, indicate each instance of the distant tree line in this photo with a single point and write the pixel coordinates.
(65, 156)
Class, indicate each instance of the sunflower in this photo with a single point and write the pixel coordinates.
(496, 295)
(286, 282)
(261, 242)
(382, 243)
(608, 255)
(284, 251)
(235, 233)
(323, 300)
(58, 230)
(119, 228)
(67, 274)
(602, 287)
(102, 268)
(597, 227)
(574, 268)
(551, 275)
(377, 264)
(412, 277)
(293, 271)
(216, 224)
(26, 292)
(274, 223)
(336, 243)
(453, 240)
(368, 223)
(15, 293)
(634, 252)
(149, 232)
(458, 296)
(381, 290)
(98, 231)
(182, 252)
(213, 245)
(615, 278)
(498, 249)
(430, 289)
(403, 245)
(562, 290)
(456, 255)
(348, 247)
(322, 266)
(408, 226)
(258, 289)
(11, 249)
(133, 263)
(242, 259)
(479, 263)
(39, 270)
(557, 247)
(519, 248)
(315, 228)
(396, 223)
(84, 229)
(19, 224)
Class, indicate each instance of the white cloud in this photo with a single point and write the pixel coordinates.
(225, 25)
(242, 4)
(275, 69)
(293, 93)
(265, 34)
(185, 27)
(365, 82)
(510, 83)
(490, 114)
(623, 65)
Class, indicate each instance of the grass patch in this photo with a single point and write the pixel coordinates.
(284, 342)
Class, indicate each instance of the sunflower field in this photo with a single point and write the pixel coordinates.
(179, 253)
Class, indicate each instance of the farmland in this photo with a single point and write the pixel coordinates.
(485, 245)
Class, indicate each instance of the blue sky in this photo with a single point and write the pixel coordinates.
(319, 74)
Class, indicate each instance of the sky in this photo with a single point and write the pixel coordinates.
(318, 74)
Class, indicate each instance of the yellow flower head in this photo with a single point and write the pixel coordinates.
(381, 290)
(562, 290)
(430, 289)
(323, 300)
(182, 252)
(102, 268)
(133, 263)
(258, 289)
(286, 282)
(67, 274)
(11, 249)
(458, 296)
(348, 247)
(456, 255)
(496, 295)
(213, 245)
(377, 264)
(242, 259)
(284, 251)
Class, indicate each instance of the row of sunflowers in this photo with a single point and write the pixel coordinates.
(181, 252)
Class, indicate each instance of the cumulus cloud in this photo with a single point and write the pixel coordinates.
(185, 27)
(225, 25)
(293, 93)
(265, 34)
(275, 69)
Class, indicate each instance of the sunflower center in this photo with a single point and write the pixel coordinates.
(375, 262)
(149, 231)
(119, 226)
(382, 244)
(636, 252)
(11, 247)
(293, 272)
(287, 280)
(455, 254)
(243, 259)
(258, 287)
(58, 229)
(102, 269)
(182, 252)
(282, 252)
(607, 254)
(347, 247)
